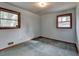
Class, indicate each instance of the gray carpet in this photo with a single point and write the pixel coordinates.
(41, 47)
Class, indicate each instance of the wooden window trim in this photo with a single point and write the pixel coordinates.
(14, 12)
(68, 14)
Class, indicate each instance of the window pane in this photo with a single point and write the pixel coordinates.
(64, 24)
(63, 18)
(7, 15)
(59, 19)
(12, 16)
(0, 14)
(4, 14)
(7, 23)
(68, 18)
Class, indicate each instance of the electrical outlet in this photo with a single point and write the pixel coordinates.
(10, 43)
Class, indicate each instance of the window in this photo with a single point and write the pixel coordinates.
(64, 21)
(9, 19)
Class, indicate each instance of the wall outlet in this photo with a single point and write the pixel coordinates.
(10, 43)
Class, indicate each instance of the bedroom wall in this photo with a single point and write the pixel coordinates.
(77, 25)
(33, 26)
(30, 28)
(48, 23)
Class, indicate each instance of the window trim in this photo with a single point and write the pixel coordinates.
(68, 14)
(14, 12)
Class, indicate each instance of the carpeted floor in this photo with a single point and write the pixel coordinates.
(41, 47)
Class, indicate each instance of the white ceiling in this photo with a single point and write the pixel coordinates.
(52, 6)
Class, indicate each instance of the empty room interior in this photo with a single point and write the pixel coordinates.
(39, 28)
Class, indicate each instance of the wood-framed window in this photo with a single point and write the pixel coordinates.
(64, 21)
(9, 19)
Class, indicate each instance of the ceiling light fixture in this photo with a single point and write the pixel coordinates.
(42, 4)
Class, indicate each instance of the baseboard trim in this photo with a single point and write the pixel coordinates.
(62, 41)
(76, 49)
(56, 40)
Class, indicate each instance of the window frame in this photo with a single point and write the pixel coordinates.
(13, 12)
(68, 14)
